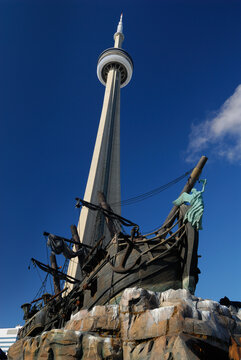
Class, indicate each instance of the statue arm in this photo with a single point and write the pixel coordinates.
(204, 181)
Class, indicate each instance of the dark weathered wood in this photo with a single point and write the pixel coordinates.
(41, 298)
(78, 245)
(109, 222)
(152, 267)
(59, 293)
(75, 236)
(56, 281)
(189, 256)
(94, 256)
(160, 275)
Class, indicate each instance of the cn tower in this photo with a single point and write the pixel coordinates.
(114, 70)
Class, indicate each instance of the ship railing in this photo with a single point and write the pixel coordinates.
(165, 225)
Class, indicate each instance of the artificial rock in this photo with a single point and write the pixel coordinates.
(145, 325)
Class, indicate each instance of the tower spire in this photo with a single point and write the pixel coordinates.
(120, 25)
(119, 36)
(114, 70)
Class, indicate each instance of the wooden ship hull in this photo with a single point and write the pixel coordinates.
(155, 264)
(164, 259)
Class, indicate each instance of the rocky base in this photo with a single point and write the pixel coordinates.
(173, 325)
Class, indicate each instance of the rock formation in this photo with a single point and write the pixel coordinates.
(172, 325)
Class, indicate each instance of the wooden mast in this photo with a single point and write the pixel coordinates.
(56, 281)
(109, 222)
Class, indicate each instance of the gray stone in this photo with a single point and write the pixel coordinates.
(170, 295)
(136, 300)
(99, 318)
(224, 310)
(208, 305)
(100, 348)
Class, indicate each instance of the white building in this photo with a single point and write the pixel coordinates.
(8, 337)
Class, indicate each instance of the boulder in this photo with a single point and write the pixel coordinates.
(235, 348)
(145, 325)
(99, 348)
(180, 347)
(100, 318)
(54, 344)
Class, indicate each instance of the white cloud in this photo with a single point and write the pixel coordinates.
(221, 134)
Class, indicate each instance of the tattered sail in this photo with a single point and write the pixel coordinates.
(58, 246)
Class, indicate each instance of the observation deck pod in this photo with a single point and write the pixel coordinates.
(118, 59)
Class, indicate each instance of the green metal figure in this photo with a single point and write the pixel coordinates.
(195, 212)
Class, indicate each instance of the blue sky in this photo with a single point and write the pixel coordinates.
(183, 101)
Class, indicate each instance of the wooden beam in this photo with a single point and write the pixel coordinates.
(56, 281)
(109, 222)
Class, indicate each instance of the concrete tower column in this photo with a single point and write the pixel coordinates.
(114, 70)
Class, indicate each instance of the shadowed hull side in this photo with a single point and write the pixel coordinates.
(167, 264)
(162, 274)
(177, 269)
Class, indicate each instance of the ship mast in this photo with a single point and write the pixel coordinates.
(114, 70)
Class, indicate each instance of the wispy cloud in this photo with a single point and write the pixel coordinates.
(220, 135)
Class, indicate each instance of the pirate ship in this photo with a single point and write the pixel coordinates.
(104, 260)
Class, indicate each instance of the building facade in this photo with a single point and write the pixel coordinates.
(7, 337)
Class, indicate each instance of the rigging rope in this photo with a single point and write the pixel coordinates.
(118, 219)
(54, 272)
(106, 212)
(153, 192)
(64, 270)
(42, 289)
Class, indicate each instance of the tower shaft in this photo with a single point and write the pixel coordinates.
(104, 172)
(114, 71)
